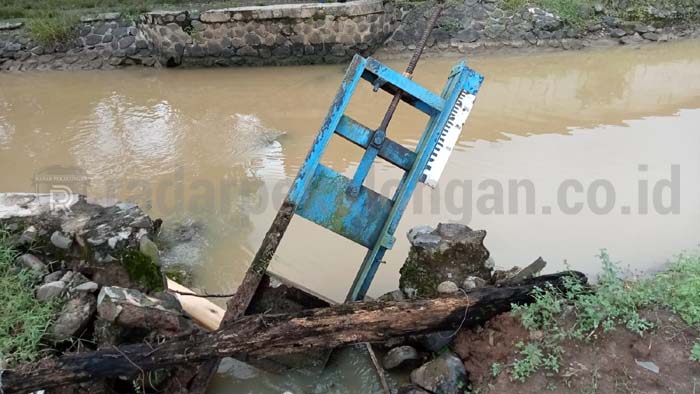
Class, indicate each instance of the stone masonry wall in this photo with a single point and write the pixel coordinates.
(470, 25)
(104, 41)
(265, 35)
(322, 33)
(279, 35)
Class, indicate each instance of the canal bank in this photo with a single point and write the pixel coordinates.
(316, 33)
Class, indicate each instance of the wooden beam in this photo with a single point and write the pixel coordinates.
(268, 335)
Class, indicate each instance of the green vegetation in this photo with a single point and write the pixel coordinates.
(54, 21)
(581, 12)
(613, 303)
(50, 29)
(12, 9)
(572, 11)
(695, 351)
(496, 369)
(24, 318)
(143, 271)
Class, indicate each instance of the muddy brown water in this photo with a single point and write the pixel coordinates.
(220, 146)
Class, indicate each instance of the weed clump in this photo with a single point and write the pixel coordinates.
(24, 318)
(695, 351)
(613, 303)
(53, 28)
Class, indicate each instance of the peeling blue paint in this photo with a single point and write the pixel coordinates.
(344, 205)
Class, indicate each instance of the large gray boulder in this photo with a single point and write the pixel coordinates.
(451, 252)
(445, 375)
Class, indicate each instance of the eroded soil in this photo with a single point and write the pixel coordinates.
(607, 363)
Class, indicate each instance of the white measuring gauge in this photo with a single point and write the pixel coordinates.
(448, 138)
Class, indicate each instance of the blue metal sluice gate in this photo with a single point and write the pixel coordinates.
(344, 205)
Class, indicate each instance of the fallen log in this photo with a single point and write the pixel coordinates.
(237, 305)
(267, 335)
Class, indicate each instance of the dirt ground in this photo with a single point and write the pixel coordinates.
(606, 364)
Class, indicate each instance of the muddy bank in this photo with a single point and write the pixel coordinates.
(617, 361)
(294, 34)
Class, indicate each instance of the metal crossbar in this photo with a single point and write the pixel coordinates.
(346, 207)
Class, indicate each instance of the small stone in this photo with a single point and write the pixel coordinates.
(642, 28)
(54, 276)
(399, 356)
(88, 287)
(126, 41)
(596, 27)
(599, 8)
(338, 50)
(436, 341)
(411, 389)
(447, 287)
(617, 33)
(648, 365)
(50, 290)
(445, 375)
(629, 40)
(651, 36)
(536, 335)
(252, 39)
(73, 279)
(10, 25)
(120, 32)
(396, 295)
(74, 317)
(247, 51)
(473, 282)
(115, 61)
(61, 241)
(93, 39)
(32, 262)
(611, 21)
(394, 342)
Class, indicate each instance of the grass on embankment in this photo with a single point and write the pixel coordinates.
(23, 318)
(581, 314)
(52, 21)
(14, 9)
(582, 12)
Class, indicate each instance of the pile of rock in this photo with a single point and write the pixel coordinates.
(450, 260)
(443, 259)
(97, 263)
